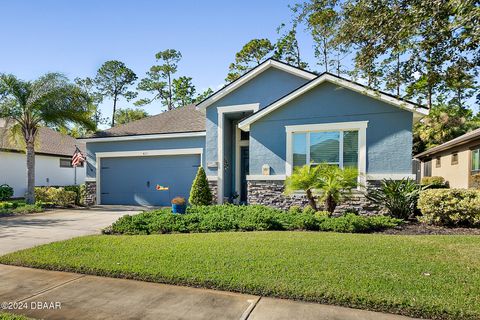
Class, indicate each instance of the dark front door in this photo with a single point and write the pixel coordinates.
(243, 173)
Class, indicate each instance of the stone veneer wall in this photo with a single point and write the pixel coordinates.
(214, 189)
(90, 193)
(270, 193)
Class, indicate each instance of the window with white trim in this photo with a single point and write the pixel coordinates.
(336, 147)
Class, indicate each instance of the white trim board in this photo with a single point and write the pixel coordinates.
(393, 176)
(417, 112)
(140, 153)
(259, 177)
(221, 116)
(148, 137)
(252, 74)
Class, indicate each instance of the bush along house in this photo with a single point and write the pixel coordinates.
(250, 135)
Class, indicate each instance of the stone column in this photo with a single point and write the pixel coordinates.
(90, 193)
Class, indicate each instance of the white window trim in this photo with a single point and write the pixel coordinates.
(221, 116)
(259, 177)
(393, 176)
(140, 153)
(360, 126)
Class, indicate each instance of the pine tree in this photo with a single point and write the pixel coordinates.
(200, 193)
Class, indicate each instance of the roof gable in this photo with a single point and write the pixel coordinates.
(417, 110)
(270, 63)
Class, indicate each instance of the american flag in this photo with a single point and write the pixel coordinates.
(77, 158)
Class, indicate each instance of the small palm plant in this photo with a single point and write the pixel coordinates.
(334, 184)
(303, 178)
(50, 100)
(331, 182)
(399, 197)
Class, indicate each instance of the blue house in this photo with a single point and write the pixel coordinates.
(250, 135)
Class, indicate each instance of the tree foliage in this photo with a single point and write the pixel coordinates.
(113, 80)
(250, 56)
(287, 48)
(51, 100)
(127, 115)
(161, 82)
(443, 123)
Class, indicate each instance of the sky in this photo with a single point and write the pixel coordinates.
(76, 37)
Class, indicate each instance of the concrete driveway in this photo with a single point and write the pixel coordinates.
(21, 232)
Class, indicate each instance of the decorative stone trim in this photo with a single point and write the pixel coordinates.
(270, 193)
(90, 193)
(212, 184)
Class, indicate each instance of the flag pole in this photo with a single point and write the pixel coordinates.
(75, 169)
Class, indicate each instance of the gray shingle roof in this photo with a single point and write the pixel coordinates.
(184, 119)
(48, 141)
(467, 137)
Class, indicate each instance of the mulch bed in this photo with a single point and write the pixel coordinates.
(415, 228)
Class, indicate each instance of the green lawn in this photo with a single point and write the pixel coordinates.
(11, 316)
(430, 276)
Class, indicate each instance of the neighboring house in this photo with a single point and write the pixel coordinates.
(456, 160)
(52, 161)
(250, 135)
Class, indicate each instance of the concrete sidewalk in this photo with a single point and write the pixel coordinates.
(61, 295)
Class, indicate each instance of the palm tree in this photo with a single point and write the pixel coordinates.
(304, 178)
(50, 100)
(333, 183)
(330, 181)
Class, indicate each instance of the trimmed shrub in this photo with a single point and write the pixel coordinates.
(28, 208)
(19, 207)
(79, 193)
(200, 194)
(475, 180)
(6, 192)
(399, 197)
(450, 207)
(244, 218)
(56, 196)
(435, 182)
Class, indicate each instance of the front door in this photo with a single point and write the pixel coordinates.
(243, 173)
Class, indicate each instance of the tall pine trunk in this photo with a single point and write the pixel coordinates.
(114, 110)
(30, 194)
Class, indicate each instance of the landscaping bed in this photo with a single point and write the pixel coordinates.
(415, 228)
(422, 276)
(18, 207)
(245, 218)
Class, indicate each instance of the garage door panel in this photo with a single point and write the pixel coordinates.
(133, 180)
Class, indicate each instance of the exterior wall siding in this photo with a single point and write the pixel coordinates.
(263, 89)
(457, 175)
(389, 132)
(13, 171)
(136, 145)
